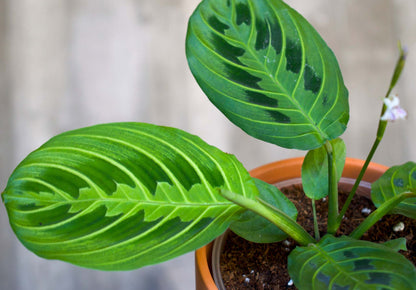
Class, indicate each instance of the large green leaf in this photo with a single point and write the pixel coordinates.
(256, 228)
(267, 69)
(315, 169)
(397, 180)
(346, 263)
(124, 195)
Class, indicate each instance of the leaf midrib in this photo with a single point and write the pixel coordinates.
(119, 201)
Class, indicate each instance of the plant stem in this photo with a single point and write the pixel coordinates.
(332, 190)
(380, 133)
(315, 221)
(273, 214)
(384, 209)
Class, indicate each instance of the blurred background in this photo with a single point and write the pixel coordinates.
(69, 64)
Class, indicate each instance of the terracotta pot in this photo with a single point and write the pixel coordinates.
(283, 172)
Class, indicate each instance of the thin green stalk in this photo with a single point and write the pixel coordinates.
(332, 190)
(315, 221)
(380, 133)
(273, 214)
(384, 209)
(399, 67)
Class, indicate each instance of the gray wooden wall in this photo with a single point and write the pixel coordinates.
(67, 64)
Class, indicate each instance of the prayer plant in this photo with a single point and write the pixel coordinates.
(125, 195)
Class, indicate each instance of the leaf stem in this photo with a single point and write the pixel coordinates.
(315, 221)
(384, 209)
(332, 190)
(273, 214)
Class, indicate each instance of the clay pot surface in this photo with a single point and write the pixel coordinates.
(283, 173)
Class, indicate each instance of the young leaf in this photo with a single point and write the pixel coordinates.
(267, 69)
(257, 229)
(397, 180)
(124, 195)
(346, 263)
(315, 169)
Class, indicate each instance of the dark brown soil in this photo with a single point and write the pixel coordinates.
(246, 265)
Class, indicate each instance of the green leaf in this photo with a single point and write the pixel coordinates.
(267, 69)
(124, 195)
(256, 228)
(397, 180)
(346, 263)
(397, 244)
(315, 169)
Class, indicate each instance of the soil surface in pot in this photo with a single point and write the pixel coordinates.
(246, 265)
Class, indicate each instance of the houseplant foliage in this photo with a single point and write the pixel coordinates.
(262, 65)
(125, 195)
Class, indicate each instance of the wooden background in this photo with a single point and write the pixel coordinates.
(68, 64)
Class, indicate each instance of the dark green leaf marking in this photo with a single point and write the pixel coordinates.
(276, 33)
(261, 99)
(350, 254)
(279, 117)
(263, 35)
(363, 264)
(268, 33)
(243, 14)
(399, 182)
(217, 25)
(323, 278)
(293, 56)
(379, 278)
(312, 81)
(227, 50)
(241, 76)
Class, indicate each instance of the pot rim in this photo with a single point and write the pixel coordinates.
(273, 173)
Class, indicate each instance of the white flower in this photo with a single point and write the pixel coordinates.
(393, 109)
